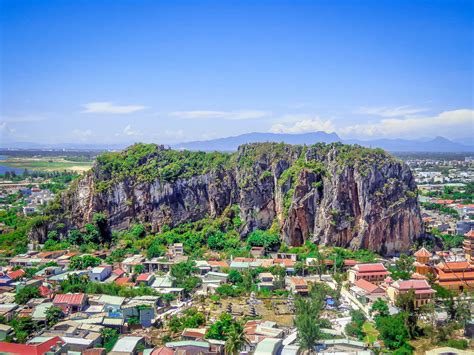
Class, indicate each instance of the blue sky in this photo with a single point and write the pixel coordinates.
(169, 71)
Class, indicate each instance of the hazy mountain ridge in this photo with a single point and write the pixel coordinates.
(230, 144)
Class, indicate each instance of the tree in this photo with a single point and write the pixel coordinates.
(109, 338)
(354, 328)
(139, 269)
(219, 329)
(406, 302)
(53, 315)
(236, 340)
(234, 276)
(306, 320)
(27, 293)
(403, 267)
(23, 327)
(393, 331)
(266, 239)
(380, 308)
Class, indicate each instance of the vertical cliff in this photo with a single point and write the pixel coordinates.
(331, 194)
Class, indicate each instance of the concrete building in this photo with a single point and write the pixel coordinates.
(423, 292)
(374, 273)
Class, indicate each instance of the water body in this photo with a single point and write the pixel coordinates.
(4, 169)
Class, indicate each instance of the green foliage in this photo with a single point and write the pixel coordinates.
(183, 272)
(235, 276)
(307, 319)
(236, 339)
(191, 318)
(83, 262)
(441, 208)
(148, 162)
(354, 328)
(53, 315)
(109, 338)
(23, 327)
(393, 331)
(380, 308)
(219, 329)
(266, 239)
(139, 269)
(403, 267)
(27, 293)
(227, 290)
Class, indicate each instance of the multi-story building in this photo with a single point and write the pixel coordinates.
(455, 275)
(374, 273)
(423, 291)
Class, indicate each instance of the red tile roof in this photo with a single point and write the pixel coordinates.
(75, 299)
(16, 274)
(123, 281)
(29, 349)
(286, 262)
(118, 272)
(163, 350)
(470, 234)
(44, 291)
(452, 266)
(214, 263)
(370, 268)
(368, 286)
(420, 286)
(143, 277)
(350, 262)
(422, 252)
(297, 281)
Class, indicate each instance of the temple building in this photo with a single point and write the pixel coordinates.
(468, 245)
(422, 264)
(455, 275)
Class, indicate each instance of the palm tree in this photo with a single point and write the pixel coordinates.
(236, 340)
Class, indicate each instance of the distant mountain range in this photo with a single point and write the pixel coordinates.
(436, 145)
(433, 145)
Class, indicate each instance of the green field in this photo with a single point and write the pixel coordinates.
(47, 164)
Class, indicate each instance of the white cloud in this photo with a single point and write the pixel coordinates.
(302, 124)
(456, 123)
(224, 115)
(129, 131)
(109, 107)
(399, 111)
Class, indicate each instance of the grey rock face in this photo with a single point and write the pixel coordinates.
(366, 202)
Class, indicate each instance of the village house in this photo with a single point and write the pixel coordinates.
(128, 264)
(266, 281)
(50, 346)
(366, 291)
(127, 345)
(218, 266)
(423, 292)
(374, 273)
(297, 285)
(100, 273)
(70, 302)
(145, 279)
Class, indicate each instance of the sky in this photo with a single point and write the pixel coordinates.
(119, 71)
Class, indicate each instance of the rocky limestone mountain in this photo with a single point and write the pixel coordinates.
(332, 194)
